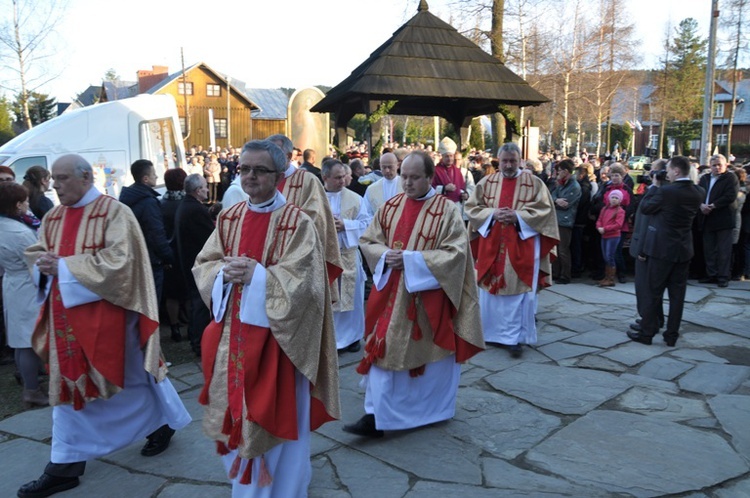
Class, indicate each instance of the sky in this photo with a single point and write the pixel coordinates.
(266, 44)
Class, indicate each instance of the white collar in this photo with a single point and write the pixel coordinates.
(269, 206)
(90, 196)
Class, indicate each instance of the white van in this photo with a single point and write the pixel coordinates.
(110, 136)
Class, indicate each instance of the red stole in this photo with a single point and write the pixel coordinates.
(445, 175)
(87, 336)
(439, 309)
(503, 240)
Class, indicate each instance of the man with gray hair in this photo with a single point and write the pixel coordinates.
(388, 186)
(92, 268)
(515, 217)
(192, 227)
(269, 360)
(302, 189)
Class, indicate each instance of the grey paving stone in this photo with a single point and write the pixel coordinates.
(554, 335)
(324, 482)
(697, 355)
(472, 376)
(644, 456)
(732, 292)
(549, 299)
(561, 350)
(180, 385)
(414, 452)
(500, 474)
(664, 368)
(706, 338)
(427, 489)
(119, 482)
(661, 404)
(740, 488)
(733, 413)
(633, 353)
(710, 378)
(193, 380)
(496, 359)
(704, 423)
(594, 294)
(711, 321)
(577, 324)
(694, 294)
(321, 444)
(23, 460)
(191, 455)
(573, 391)
(601, 338)
(648, 382)
(32, 424)
(184, 370)
(183, 490)
(596, 362)
(499, 424)
(366, 477)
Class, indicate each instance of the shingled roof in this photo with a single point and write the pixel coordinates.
(430, 69)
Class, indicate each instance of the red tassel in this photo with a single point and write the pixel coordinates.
(203, 397)
(235, 469)
(221, 448)
(78, 400)
(416, 332)
(369, 345)
(364, 366)
(264, 479)
(235, 438)
(416, 372)
(64, 392)
(248, 473)
(226, 427)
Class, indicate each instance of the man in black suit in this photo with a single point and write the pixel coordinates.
(719, 211)
(667, 249)
(658, 176)
(192, 228)
(309, 164)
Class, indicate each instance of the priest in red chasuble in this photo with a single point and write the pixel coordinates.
(514, 215)
(98, 331)
(422, 316)
(269, 354)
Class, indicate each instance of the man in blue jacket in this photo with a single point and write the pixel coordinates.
(143, 200)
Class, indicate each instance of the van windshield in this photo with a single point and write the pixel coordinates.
(158, 141)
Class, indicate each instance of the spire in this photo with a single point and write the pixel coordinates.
(423, 6)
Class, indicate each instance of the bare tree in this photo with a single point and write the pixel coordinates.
(25, 36)
(737, 10)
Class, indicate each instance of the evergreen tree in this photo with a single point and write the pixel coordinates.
(6, 122)
(686, 80)
(42, 108)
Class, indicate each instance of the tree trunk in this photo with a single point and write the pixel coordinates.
(496, 46)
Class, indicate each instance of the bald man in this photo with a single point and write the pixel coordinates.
(390, 185)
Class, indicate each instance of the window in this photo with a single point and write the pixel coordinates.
(185, 88)
(718, 110)
(20, 166)
(654, 141)
(220, 127)
(721, 139)
(159, 145)
(213, 90)
(183, 126)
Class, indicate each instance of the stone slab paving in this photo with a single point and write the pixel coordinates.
(709, 378)
(584, 413)
(664, 368)
(637, 455)
(733, 413)
(570, 391)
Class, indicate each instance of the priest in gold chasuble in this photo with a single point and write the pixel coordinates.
(422, 316)
(269, 354)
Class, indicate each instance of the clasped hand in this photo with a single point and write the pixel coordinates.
(504, 215)
(48, 263)
(395, 259)
(239, 269)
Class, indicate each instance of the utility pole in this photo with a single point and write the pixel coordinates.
(708, 93)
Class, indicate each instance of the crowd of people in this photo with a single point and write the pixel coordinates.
(455, 247)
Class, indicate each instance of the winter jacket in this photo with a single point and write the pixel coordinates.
(144, 202)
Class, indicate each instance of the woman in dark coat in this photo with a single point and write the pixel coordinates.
(174, 284)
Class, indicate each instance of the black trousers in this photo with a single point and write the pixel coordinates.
(65, 469)
(642, 290)
(717, 247)
(200, 317)
(662, 275)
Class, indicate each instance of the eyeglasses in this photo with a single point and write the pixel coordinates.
(249, 170)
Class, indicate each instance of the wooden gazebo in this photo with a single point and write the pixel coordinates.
(429, 69)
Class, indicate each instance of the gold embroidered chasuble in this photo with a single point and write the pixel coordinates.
(298, 307)
(305, 191)
(439, 234)
(350, 206)
(109, 259)
(533, 203)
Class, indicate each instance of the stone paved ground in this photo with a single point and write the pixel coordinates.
(584, 413)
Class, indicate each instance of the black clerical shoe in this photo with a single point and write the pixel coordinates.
(637, 337)
(354, 347)
(158, 441)
(636, 326)
(670, 341)
(723, 283)
(708, 280)
(364, 427)
(47, 485)
(515, 351)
